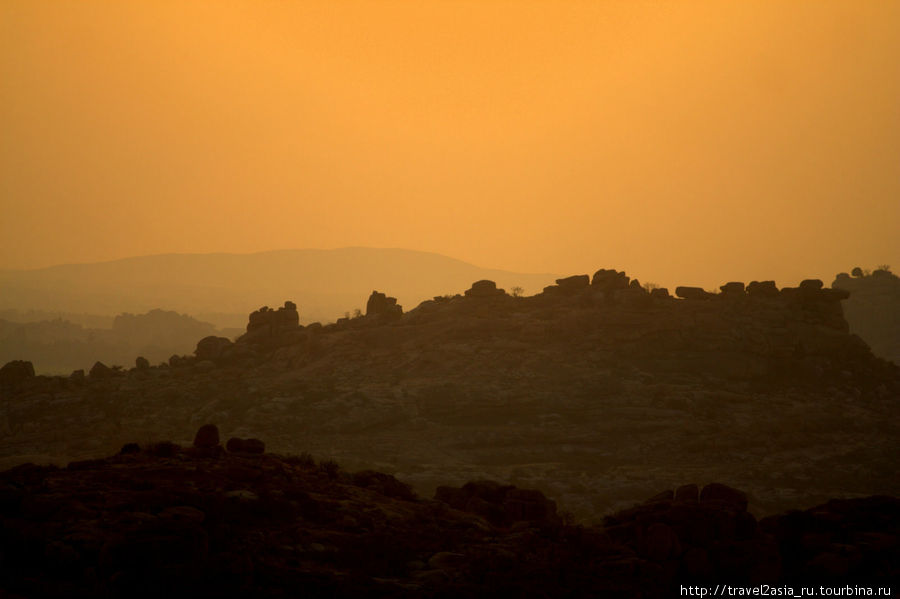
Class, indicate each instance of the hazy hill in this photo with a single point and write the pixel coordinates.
(59, 346)
(223, 288)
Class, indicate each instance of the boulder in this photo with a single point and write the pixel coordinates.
(16, 372)
(692, 293)
(266, 322)
(573, 284)
(100, 371)
(660, 293)
(609, 280)
(207, 436)
(141, 363)
(732, 288)
(212, 347)
(130, 448)
(380, 305)
(762, 289)
(484, 288)
(811, 284)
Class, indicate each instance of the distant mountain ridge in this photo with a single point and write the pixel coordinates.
(222, 288)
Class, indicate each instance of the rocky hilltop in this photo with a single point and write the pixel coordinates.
(596, 391)
(212, 521)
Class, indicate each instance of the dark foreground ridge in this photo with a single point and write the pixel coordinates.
(205, 521)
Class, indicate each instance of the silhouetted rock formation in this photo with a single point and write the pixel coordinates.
(15, 373)
(207, 436)
(733, 288)
(212, 347)
(266, 324)
(159, 521)
(573, 284)
(484, 288)
(101, 371)
(761, 289)
(873, 309)
(609, 280)
(692, 293)
(380, 305)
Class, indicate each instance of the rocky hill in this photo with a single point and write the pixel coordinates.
(873, 309)
(202, 520)
(595, 391)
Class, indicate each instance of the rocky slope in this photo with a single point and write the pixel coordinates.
(595, 391)
(205, 521)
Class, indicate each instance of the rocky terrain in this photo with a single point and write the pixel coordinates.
(203, 520)
(873, 309)
(595, 391)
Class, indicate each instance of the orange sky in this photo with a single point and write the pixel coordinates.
(686, 142)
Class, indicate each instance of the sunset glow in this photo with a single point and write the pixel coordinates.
(684, 142)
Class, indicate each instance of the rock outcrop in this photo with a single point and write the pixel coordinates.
(101, 371)
(266, 325)
(380, 305)
(873, 309)
(15, 373)
(484, 288)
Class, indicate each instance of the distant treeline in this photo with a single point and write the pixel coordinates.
(60, 346)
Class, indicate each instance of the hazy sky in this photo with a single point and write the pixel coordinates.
(687, 142)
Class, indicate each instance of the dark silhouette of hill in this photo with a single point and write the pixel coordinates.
(59, 346)
(223, 288)
(205, 521)
(873, 309)
(595, 391)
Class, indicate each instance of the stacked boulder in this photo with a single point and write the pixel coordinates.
(572, 285)
(484, 288)
(762, 289)
(610, 280)
(266, 323)
(380, 305)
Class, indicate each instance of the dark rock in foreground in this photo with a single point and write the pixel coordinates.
(147, 523)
